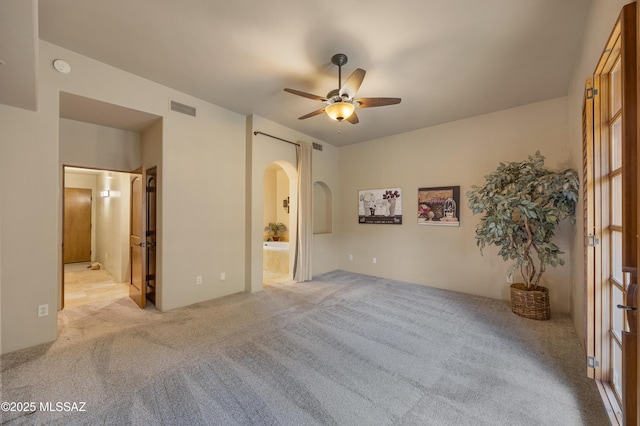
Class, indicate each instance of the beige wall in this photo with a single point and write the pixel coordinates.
(92, 146)
(28, 179)
(112, 224)
(602, 17)
(325, 245)
(282, 192)
(202, 204)
(270, 192)
(322, 209)
(458, 153)
(29, 150)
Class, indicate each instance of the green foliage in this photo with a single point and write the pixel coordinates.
(521, 204)
(275, 229)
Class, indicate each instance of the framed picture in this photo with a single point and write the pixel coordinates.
(382, 206)
(439, 206)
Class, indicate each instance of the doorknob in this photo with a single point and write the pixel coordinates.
(139, 244)
(627, 308)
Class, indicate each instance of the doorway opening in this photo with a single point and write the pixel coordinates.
(113, 145)
(95, 236)
(278, 245)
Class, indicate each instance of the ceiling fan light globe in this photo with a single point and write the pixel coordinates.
(340, 110)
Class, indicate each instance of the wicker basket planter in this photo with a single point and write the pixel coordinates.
(532, 304)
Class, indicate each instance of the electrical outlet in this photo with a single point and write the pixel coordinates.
(223, 276)
(43, 310)
(350, 257)
(199, 279)
(375, 260)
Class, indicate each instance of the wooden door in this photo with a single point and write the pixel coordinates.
(630, 357)
(611, 220)
(151, 194)
(632, 343)
(77, 225)
(137, 239)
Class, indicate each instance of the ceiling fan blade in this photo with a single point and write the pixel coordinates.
(376, 102)
(306, 95)
(312, 114)
(353, 118)
(351, 86)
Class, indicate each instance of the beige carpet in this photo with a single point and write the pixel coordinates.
(343, 349)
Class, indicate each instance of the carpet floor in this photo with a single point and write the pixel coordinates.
(343, 349)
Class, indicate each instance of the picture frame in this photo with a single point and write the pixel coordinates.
(380, 206)
(439, 206)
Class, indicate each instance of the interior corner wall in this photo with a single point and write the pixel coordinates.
(458, 153)
(601, 19)
(202, 231)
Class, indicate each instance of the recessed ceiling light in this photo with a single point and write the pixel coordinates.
(62, 66)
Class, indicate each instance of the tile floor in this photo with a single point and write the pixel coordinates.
(83, 285)
(269, 278)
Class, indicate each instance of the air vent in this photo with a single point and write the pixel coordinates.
(317, 146)
(182, 108)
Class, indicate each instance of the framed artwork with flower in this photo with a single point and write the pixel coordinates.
(382, 206)
(439, 206)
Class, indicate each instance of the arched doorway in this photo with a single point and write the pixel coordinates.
(279, 222)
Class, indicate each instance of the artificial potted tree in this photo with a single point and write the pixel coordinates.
(275, 230)
(521, 204)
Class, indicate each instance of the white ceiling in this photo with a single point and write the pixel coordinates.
(447, 60)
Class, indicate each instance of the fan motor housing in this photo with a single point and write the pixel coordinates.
(339, 59)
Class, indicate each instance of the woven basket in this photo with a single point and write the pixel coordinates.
(532, 304)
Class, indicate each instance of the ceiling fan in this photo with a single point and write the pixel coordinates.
(341, 102)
